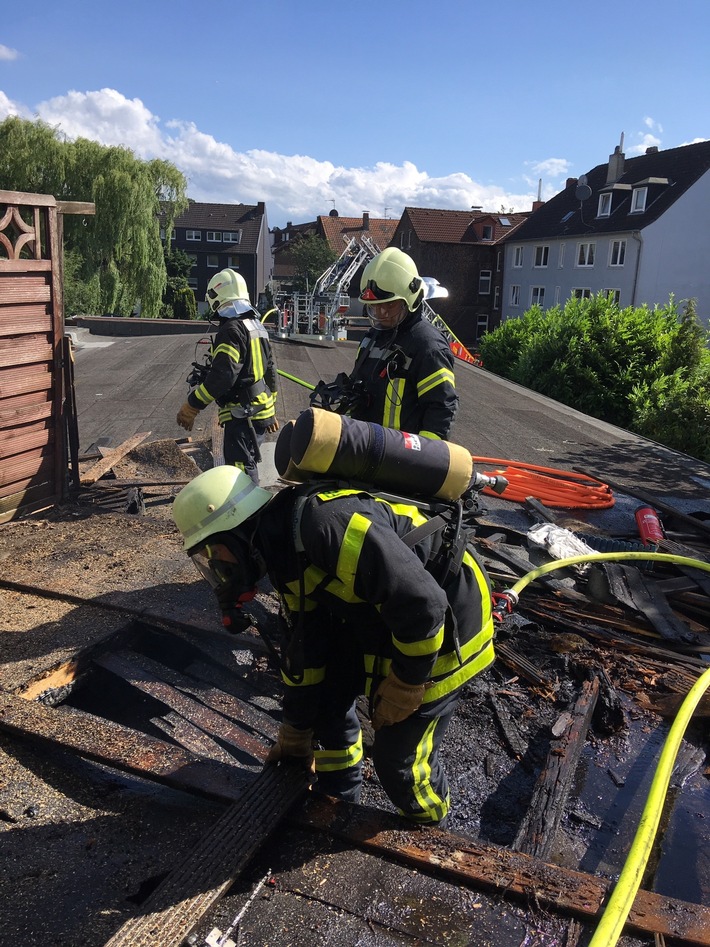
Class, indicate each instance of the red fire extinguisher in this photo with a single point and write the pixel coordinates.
(649, 526)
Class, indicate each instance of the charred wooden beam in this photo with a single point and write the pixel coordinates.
(537, 832)
(113, 456)
(479, 865)
(127, 750)
(129, 667)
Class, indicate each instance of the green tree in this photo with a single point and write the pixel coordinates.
(311, 255)
(120, 246)
(647, 370)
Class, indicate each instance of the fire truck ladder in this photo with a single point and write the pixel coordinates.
(456, 346)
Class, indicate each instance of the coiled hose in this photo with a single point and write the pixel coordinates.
(622, 897)
(554, 488)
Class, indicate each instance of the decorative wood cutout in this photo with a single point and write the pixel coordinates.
(27, 234)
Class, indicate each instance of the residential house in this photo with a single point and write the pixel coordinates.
(463, 250)
(636, 228)
(217, 236)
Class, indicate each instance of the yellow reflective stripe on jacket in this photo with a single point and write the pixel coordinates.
(415, 649)
(257, 358)
(329, 761)
(433, 807)
(453, 681)
(231, 351)
(439, 377)
(392, 414)
(203, 395)
(430, 435)
(350, 549)
(310, 676)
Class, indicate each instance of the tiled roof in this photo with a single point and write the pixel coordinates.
(339, 230)
(565, 214)
(460, 226)
(247, 218)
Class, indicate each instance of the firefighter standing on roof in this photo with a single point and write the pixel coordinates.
(404, 363)
(242, 376)
(366, 614)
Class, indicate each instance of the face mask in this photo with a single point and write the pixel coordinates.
(232, 567)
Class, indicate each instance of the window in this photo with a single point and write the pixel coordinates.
(193, 257)
(557, 295)
(604, 208)
(405, 240)
(585, 254)
(617, 253)
(514, 295)
(496, 298)
(541, 256)
(487, 232)
(518, 257)
(638, 200)
(484, 282)
(233, 262)
(613, 295)
(481, 325)
(499, 261)
(504, 222)
(192, 282)
(232, 236)
(193, 235)
(214, 236)
(582, 293)
(212, 260)
(537, 296)
(561, 256)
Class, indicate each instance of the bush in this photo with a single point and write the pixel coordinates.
(647, 370)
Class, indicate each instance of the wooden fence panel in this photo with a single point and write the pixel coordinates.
(33, 464)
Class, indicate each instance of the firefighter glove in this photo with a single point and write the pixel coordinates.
(395, 701)
(292, 743)
(273, 426)
(186, 416)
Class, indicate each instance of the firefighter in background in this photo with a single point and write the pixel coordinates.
(365, 615)
(241, 377)
(404, 368)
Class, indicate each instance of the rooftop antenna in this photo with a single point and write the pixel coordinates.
(332, 201)
(385, 212)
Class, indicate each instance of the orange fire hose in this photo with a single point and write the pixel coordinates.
(554, 488)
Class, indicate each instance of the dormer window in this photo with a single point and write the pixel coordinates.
(487, 232)
(638, 200)
(604, 209)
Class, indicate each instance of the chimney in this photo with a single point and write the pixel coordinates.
(652, 150)
(616, 163)
(261, 208)
(570, 182)
(539, 202)
(365, 220)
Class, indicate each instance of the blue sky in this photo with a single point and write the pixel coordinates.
(308, 104)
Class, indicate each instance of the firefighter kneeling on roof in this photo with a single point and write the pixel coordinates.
(366, 615)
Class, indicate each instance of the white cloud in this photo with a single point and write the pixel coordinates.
(653, 125)
(647, 141)
(8, 107)
(550, 167)
(7, 54)
(294, 187)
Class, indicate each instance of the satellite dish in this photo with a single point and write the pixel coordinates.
(583, 192)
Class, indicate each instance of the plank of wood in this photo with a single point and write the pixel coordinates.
(537, 831)
(112, 457)
(217, 435)
(486, 866)
(179, 903)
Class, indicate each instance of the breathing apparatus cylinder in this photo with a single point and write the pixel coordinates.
(324, 443)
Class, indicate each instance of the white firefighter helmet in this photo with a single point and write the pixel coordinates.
(215, 502)
(391, 275)
(228, 286)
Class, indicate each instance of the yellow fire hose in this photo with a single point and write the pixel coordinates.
(622, 897)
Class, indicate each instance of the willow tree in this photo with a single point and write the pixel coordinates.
(121, 244)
